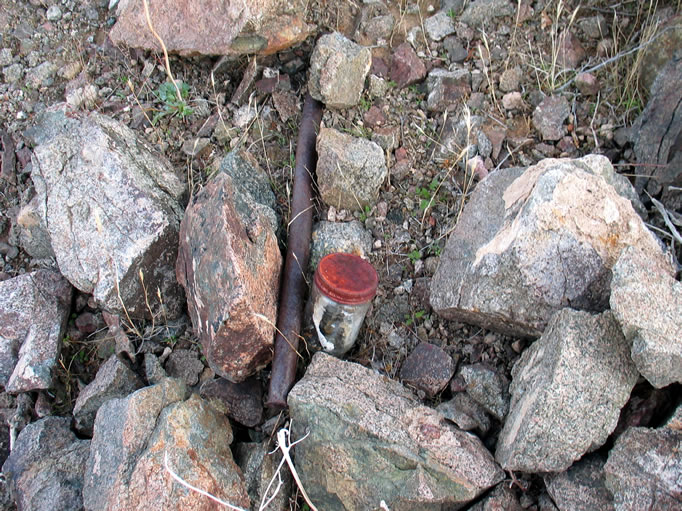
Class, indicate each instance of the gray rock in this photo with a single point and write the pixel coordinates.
(242, 402)
(582, 487)
(259, 464)
(34, 309)
(378, 27)
(13, 73)
(456, 50)
(595, 27)
(531, 243)
(5, 57)
(42, 75)
(587, 84)
(549, 117)
(338, 68)
(656, 134)
(184, 365)
(371, 431)
(46, 467)
(664, 44)
(459, 133)
(54, 13)
(570, 51)
(114, 379)
(647, 302)
(350, 170)
(229, 263)
(134, 437)
(510, 79)
(427, 368)
(643, 470)
(675, 421)
(502, 498)
(446, 87)
(378, 87)
(112, 212)
(558, 411)
(513, 101)
(481, 12)
(153, 370)
(487, 387)
(466, 413)
(348, 237)
(439, 26)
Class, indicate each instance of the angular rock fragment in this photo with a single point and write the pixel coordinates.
(502, 498)
(439, 26)
(480, 12)
(466, 413)
(406, 67)
(446, 87)
(582, 487)
(137, 436)
(647, 302)
(34, 309)
(46, 467)
(114, 380)
(657, 134)
(212, 28)
(350, 170)
(549, 117)
(112, 212)
(369, 440)
(184, 365)
(348, 237)
(643, 470)
(567, 392)
(259, 464)
(338, 68)
(487, 387)
(531, 243)
(242, 402)
(428, 368)
(229, 264)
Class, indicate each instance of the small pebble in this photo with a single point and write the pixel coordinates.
(54, 13)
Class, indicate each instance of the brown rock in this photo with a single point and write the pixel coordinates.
(211, 28)
(374, 117)
(229, 264)
(587, 84)
(571, 52)
(406, 67)
(428, 368)
(242, 402)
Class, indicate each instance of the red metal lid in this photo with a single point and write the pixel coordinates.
(346, 278)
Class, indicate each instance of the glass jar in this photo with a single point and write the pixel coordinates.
(343, 288)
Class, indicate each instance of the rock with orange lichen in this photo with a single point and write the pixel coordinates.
(533, 241)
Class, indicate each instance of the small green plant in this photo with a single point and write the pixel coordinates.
(392, 83)
(426, 194)
(412, 319)
(172, 105)
(365, 103)
(414, 256)
(452, 13)
(364, 214)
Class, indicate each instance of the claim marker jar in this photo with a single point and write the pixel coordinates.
(343, 288)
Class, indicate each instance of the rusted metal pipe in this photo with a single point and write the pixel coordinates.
(293, 289)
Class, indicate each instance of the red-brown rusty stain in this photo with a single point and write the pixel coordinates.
(293, 289)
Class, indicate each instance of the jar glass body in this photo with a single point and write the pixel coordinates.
(336, 324)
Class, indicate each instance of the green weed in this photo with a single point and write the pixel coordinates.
(171, 104)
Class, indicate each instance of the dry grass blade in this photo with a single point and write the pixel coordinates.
(166, 61)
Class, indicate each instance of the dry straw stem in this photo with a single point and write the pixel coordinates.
(163, 47)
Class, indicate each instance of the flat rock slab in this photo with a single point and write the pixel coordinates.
(582, 487)
(203, 27)
(558, 411)
(350, 170)
(479, 12)
(135, 437)
(338, 68)
(112, 212)
(531, 242)
(46, 467)
(229, 263)
(369, 439)
(647, 302)
(643, 470)
(34, 309)
(114, 379)
(446, 87)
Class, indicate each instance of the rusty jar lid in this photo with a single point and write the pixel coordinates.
(346, 278)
